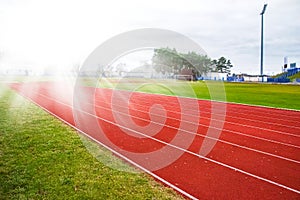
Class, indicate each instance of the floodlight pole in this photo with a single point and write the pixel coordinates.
(262, 41)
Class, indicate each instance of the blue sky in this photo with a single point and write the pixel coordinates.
(61, 33)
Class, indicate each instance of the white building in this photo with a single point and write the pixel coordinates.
(215, 76)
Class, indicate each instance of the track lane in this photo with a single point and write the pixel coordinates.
(58, 108)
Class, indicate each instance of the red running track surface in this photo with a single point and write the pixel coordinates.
(256, 155)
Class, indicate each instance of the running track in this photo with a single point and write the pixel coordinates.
(257, 155)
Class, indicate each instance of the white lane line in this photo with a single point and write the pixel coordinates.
(223, 141)
(231, 131)
(250, 126)
(197, 155)
(234, 123)
(229, 103)
(230, 143)
(246, 117)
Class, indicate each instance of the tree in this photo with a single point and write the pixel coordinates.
(222, 65)
(200, 63)
(169, 60)
(166, 60)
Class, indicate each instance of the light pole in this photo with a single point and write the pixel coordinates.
(262, 41)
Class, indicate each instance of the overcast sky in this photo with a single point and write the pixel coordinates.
(61, 33)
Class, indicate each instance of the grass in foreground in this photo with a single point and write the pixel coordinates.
(42, 158)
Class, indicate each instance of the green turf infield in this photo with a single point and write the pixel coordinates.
(42, 158)
(274, 95)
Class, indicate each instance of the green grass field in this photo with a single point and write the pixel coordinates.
(42, 158)
(274, 95)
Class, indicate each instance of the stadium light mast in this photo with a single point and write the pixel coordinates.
(262, 41)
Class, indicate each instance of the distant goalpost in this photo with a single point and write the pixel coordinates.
(184, 77)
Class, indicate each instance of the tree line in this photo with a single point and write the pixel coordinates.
(166, 60)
